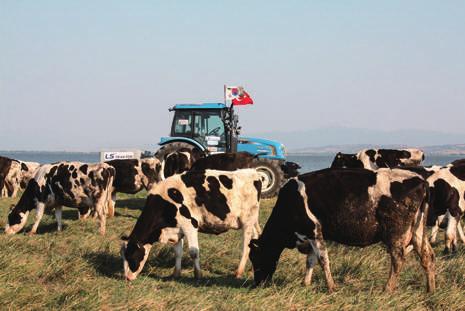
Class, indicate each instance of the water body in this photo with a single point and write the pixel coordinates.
(308, 162)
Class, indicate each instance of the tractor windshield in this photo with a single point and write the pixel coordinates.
(205, 126)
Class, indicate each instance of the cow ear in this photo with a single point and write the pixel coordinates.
(124, 238)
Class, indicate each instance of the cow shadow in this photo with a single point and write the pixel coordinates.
(110, 265)
(45, 228)
(105, 264)
(229, 281)
(132, 203)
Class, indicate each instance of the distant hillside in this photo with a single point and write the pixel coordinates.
(328, 140)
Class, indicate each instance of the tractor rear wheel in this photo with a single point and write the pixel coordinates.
(272, 176)
(161, 153)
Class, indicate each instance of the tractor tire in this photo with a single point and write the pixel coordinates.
(272, 176)
(169, 148)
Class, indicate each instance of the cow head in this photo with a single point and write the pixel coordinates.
(16, 221)
(411, 157)
(151, 168)
(346, 160)
(156, 223)
(134, 257)
(290, 169)
(264, 264)
(177, 162)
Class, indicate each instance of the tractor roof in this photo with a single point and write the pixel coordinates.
(200, 106)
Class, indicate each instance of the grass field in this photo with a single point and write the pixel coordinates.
(79, 269)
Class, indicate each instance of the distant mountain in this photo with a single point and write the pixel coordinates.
(328, 140)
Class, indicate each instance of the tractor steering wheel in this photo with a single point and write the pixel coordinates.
(214, 131)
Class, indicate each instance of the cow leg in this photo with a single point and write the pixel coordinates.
(15, 190)
(310, 263)
(397, 261)
(451, 234)
(178, 251)
(321, 253)
(248, 231)
(434, 232)
(111, 205)
(258, 230)
(425, 252)
(40, 207)
(58, 214)
(460, 230)
(101, 215)
(193, 243)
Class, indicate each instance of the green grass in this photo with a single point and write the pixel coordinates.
(79, 269)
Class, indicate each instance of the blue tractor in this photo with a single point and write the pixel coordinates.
(213, 128)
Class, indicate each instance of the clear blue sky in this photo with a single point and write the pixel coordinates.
(85, 75)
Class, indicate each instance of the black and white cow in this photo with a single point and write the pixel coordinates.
(196, 201)
(14, 175)
(133, 175)
(377, 158)
(354, 207)
(447, 187)
(72, 184)
(179, 161)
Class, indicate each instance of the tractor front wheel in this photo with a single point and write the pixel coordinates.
(272, 176)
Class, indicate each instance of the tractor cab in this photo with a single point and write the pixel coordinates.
(213, 128)
(206, 124)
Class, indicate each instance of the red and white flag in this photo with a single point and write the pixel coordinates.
(237, 96)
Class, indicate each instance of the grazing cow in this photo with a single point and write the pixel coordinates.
(377, 158)
(354, 207)
(14, 175)
(72, 184)
(196, 201)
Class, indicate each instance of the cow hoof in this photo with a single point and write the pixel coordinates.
(31, 233)
(197, 275)
(332, 289)
(175, 274)
(238, 274)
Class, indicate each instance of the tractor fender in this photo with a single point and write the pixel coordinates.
(194, 143)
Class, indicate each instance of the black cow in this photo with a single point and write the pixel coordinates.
(72, 184)
(458, 162)
(350, 206)
(228, 161)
